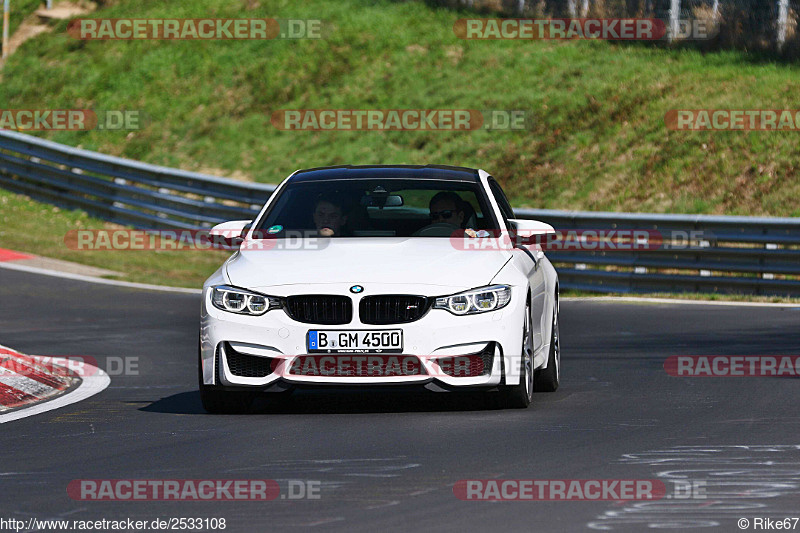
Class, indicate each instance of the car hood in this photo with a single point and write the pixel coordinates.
(423, 261)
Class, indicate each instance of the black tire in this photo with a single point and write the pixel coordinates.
(547, 379)
(219, 401)
(519, 396)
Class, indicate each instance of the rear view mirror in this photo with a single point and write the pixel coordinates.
(392, 200)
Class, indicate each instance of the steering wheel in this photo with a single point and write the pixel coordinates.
(438, 229)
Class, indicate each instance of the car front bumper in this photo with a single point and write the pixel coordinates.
(432, 340)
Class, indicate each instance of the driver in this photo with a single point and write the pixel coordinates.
(447, 207)
(328, 217)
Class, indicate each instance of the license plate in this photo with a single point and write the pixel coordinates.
(355, 341)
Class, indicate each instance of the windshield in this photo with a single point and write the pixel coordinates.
(378, 208)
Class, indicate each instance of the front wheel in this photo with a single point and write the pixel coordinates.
(519, 396)
(547, 379)
(218, 401)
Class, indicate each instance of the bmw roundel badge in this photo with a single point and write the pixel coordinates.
(355, 289)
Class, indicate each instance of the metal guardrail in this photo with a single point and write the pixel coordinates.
(699, 253)
(724, 254)
(123, 191)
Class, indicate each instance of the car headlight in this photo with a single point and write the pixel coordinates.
(475, 300)
(241, 301)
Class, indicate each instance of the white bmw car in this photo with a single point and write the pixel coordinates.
(381, 276)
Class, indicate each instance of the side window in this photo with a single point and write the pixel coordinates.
(502, 201)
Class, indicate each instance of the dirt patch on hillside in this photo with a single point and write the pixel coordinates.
(39, 22)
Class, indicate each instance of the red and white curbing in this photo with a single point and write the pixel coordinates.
(11, 255)
(32, 385)
(23, 380)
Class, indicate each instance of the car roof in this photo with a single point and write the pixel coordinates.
(351, 172)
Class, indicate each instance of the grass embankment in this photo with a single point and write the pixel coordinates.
(40, 229)
(597, 139)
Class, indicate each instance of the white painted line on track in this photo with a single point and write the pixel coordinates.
(634, 299)
(103, 281)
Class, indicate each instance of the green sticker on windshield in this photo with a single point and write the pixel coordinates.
(275, 229)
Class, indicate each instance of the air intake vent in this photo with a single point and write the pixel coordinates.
(320, 309)
(247, 366)
(469, 366)
(392, 308)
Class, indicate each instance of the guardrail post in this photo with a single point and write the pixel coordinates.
(6, 11)
(783, 15)
(674, 16)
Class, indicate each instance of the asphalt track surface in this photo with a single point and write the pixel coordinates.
(388, 461)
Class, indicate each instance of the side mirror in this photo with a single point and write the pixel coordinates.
(230, 234)
(530, 231)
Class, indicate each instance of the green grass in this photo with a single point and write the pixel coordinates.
(46, 237)
(597, 139)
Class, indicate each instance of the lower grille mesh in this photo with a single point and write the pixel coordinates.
(468, 366)
(247, 366)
